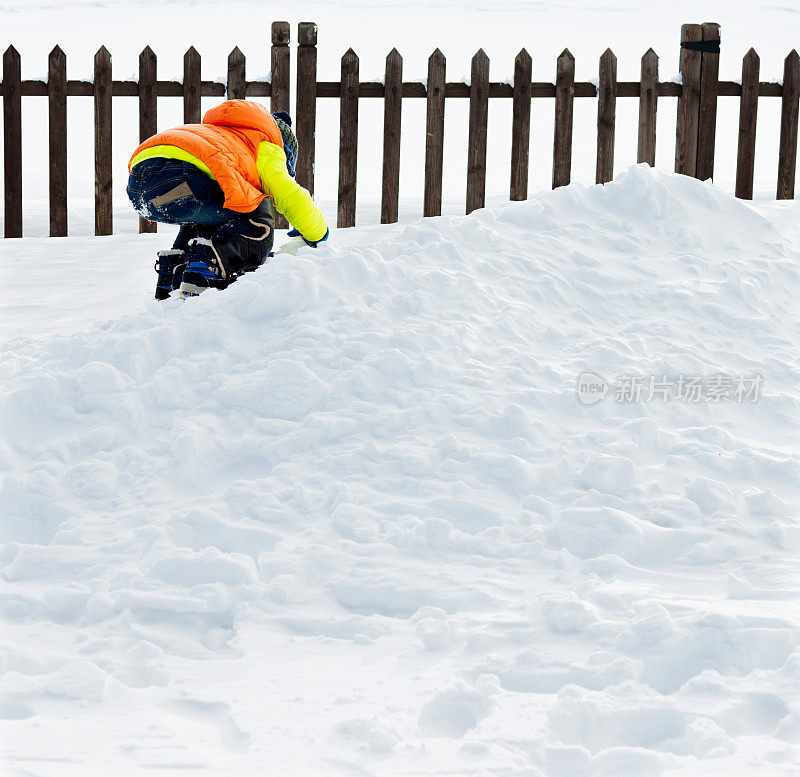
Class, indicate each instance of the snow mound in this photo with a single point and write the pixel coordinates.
(350, 516)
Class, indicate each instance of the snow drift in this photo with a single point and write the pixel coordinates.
(349, 516)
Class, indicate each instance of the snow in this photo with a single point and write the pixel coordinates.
(349, 517)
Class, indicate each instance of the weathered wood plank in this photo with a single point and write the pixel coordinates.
(103, 169)
(434, 135)
(539, 89)
(521, 126)
(562, 141)
(237, 82)
(392, 115)
(478, 131)
(12, 141)
(306, 119)
(192, 108)
(606, 117)
(348, 141)
(279, 98)
(148, 109)
(709, 86)
(787, 152)
(279, 57)
(57, 115)
(688, 102)
(748, 111)
(648, 106)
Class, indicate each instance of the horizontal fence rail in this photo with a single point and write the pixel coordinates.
(697, 96)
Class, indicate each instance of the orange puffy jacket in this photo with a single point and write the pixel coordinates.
(227, 142)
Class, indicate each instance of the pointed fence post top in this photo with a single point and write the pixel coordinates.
(608, 56)
(147, 53)
(566, 55)
(752, 55)
(191, 53)
(394, 55)
(649, 55)
(280, 33)
(235, 55)
(102, 55)
(437, 56)
(10, 53)
(349, 56)
(522, 57)
(480, 57)
(56, 53)
(791, 58)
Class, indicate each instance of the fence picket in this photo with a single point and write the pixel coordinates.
(103, 171)
(688, 102)
(521, 126)
(306, 108)
(57, 114)
(348, 141)
(434, 134)
(12, 141)
(279, 58)
(279, 87)
(562, 141)
(236, 88)
(392, 113)
(148, 109)
(478, 123)
(787, 154)
(192, 108)
(606, 117)
(748, 110)
(709, 89)
(648, 105)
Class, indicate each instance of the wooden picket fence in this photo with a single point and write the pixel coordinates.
(695, 132)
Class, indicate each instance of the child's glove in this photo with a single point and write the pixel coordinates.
(312, 243)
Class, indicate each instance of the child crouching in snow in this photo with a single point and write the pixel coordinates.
(220, 181)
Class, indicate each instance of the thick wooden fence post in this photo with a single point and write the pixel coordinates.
(12, 141)
(148, 109)
(689, 101)
(279, 88)
(103, 171)
(306, 108)
(606, 117)
(236, 88)
(748, 110)
(57, 109)
(521, 126)
(787, 153)
(279, 57)
(348, 141)
(648, 105)
(562, 141)
(392, 114)
(697, 105)
(478, 123)
(192, 107)
(709, 88)
(434, 135)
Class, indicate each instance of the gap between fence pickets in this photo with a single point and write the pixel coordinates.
(695, 130)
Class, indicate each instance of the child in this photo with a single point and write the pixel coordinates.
(220, 180)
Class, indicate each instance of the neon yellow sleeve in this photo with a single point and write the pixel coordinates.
(289, 197)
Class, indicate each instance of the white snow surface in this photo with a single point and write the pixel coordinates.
(348, 517)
